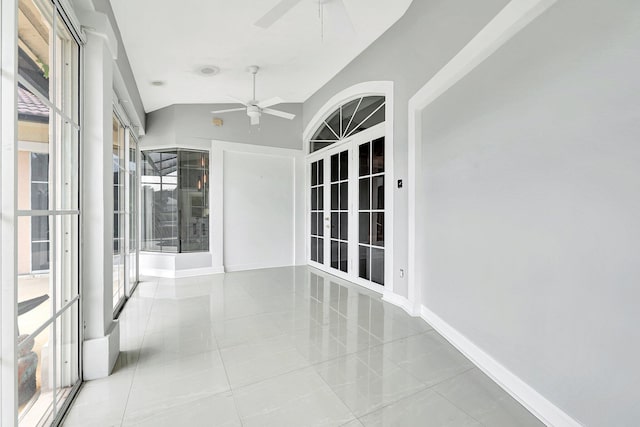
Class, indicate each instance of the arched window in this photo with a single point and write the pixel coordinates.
(352, 117)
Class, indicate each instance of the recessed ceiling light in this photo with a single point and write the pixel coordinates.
(209, 70)
(157, 83)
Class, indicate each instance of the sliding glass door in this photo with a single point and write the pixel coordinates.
(47, 281)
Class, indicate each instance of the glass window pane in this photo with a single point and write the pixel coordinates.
(33, 151)
(364, 151)
(40, 256)
(344, 195)
(364, 255)
(377, 266)
(314, 223)
(364, 227)
(39, 196)
(344, 256)
(334, 168)
(320, 172)
(320, 224)
(377, 192)
(344, 226)
(334, 197)
(364, 194)
(333, 121)
(321, 251)
(344, 165)
(39, 228)
(334, 225)
(314, 199)
(378, 156)
(314, 249)
(347, 112)
(335, 260)
(362, 119)
(314, 173)
(320, 199)
(34, 302)
(35, 377)
(34, 51)
(377, 228)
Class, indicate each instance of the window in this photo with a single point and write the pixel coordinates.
(118, 211)
(351, 118)
(175, 201)
(48, 212)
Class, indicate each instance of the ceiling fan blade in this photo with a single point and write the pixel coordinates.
(255, 120)
(239, 101)
(277, 12)
(279, 113)
(339, 18)
(229, 110)
(271, 101)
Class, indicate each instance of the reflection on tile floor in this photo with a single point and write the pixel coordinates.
(284, 347)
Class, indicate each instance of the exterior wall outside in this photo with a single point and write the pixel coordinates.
(409, 53)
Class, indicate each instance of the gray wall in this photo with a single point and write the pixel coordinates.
(532, 174)
(185, 123)
(409, 54)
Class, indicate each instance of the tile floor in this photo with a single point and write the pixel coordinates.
(284, 347)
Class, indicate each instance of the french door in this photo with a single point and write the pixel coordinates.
(346, 211)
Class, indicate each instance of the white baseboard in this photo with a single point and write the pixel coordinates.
(537, 404)
(399, 301)
(173, 274)
(256, 266)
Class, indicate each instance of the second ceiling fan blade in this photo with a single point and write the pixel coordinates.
(271, 101)
(229, 110)
(277, 12)
(279, 113)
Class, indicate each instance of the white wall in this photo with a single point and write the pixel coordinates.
(532, 177)
(259, 210)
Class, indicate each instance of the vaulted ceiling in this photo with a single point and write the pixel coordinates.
(169, 42)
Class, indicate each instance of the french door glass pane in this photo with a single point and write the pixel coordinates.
(339, 210)
(317, 212)
(377, 266)
(371, 211)
(364, 262)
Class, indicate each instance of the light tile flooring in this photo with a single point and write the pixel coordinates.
(284, 347)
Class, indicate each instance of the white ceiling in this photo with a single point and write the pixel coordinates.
(170, 41)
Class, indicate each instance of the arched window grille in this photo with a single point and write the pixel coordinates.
(349, 119)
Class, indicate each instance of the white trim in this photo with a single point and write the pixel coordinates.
(535, 403)
(254, 266)
(397, 300)
(178, 274)
(508, 22)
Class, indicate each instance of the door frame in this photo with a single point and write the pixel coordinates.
(351, 144)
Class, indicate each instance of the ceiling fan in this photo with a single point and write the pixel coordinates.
(335, 9)
(254, 108)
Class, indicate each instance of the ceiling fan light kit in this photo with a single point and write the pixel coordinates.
(253, 108)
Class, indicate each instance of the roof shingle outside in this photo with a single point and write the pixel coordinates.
(29, 104)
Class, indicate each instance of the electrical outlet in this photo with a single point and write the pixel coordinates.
(401, 273)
